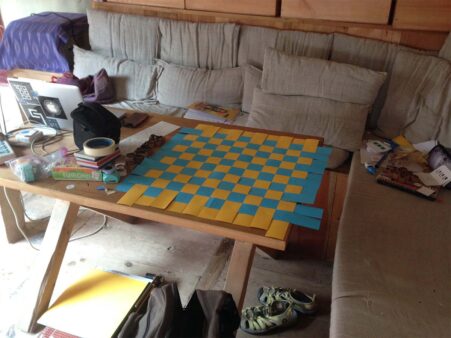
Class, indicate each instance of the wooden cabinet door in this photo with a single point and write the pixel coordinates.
(253, 7)
(423, 15)
(159, 3)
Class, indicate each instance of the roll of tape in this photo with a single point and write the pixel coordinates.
(99, 146)
(108, 169)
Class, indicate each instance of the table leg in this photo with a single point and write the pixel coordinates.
(239, 270)
(13, 234)
(45, 272)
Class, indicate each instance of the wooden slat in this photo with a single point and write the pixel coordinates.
(368, 11)
(424, 15)
(8, 196)
(254, 7)
(416, 39)
(159, 3)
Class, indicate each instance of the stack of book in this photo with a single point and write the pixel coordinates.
(95, 162)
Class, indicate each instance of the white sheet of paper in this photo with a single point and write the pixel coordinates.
(427, 179)
(161, 128)
(440, 176)
(425, 147)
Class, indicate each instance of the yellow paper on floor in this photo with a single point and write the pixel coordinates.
(133, 194)
(95, 305)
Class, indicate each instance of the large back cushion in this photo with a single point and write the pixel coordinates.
(315, 97)
(419, 99)
(124, 36)
(445, 51)
(203, 45)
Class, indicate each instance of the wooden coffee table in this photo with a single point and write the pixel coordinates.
(45, 272)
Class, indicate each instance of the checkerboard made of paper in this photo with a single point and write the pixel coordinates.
(250, 179)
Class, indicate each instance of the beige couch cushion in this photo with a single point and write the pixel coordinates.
(132, 80)
(203, 45)
(253, 42)
(445, 51)
(286, 74)
(418, 103)
(252, 79)
(392, 267)
(124, 36)
(310, 44)
(181, 86)
(340, 124)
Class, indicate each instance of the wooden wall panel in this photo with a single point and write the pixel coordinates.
(424, 15)
(368, 11)
(254, 7)
(159, 3)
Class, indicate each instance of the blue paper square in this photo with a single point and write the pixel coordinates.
(253, 146)
(188, 171)
(309, 211)
(279, 151)
(262, 154)
(284, 172)
(236, 150)
(190, 131)
(183, 197)
(153, 192)
(218, 153)
(218, 175)
(205, 191)
(256, 167)
(226, 186)
(278, 186)
(273, 163)
(236, 171)
(270, 143)
(248, 209)
(208, 166)
(197, 180)
(257, 192)
(210, 146)
(215, 203)
(245, 158)
(227, 143)
(227, 162)
(176, 186)
(220, 135)
(247, 181)
(167, 176)
(236, 197)
(266, 176)
(200, 158)
(269, 203)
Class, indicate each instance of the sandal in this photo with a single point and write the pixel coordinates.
(265, 318)
(302, 302)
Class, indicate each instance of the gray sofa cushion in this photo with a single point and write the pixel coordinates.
(252, 79)
(286, 74)
(340, 124)
(418, 102)
(181, 86)
(310, 44)
(392, 263)
(132, 80)
(203, 45)
(445, 51)
(124, 36)
(253, 42)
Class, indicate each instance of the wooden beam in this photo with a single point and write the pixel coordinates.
(45, 271)
(432, 15)
(13, 234)
(239, 270)
(253, 7)
(160, 3)
(367, 11)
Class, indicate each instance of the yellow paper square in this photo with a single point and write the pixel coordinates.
(284, 142)
(168, 160)
(207, 130)
(182, 178)
(298, 141)
(281, 179)
(250, 152)
(208, 213)
(243, 220)
(180, 148)
(133, 194)
(195, 205)
(202, 173)
(286, 206)
(262, 218)
(268, 169)
(273, 138)
(231, 156)
(243, 189)
(287, 165)
(259, 160)
(160, 183)
(176, 207)
(228, 211)
(223, 168)
(267, 149)
(154, 173)
(251, 174)
(231, 178)
(310, 145)
(190, 188)
(213, 160)
(211, 183)
(278, 157)
(220, 193)
(223, 148)
(299, 174)
(240, 164)
(291, 152)
(205, 152)
(240, 144)
(278, 229)
(305, 160)
(175, 169)
(165, 198)
(258, 138)
(254, 200)
(144, 201)
(198, 144)
(191, 137)
(262, 184)
(293, 189)
(216, 141)
(187, 156)
(232, 134)
(194, 164)
(273, 194)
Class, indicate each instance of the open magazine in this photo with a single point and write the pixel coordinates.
(212, 113)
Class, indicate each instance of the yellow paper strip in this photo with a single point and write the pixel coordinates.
(165, 198)
(277, 229)
(195, 206)
(145, 201)
(228, 212)
(133, 194)
(208, 213)
(207, 130)
(243, 220)
(310, 145)
(262, 218)
(284, 142)
(176, 207)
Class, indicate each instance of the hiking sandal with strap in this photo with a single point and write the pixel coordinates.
(302, 302)
(265, 318)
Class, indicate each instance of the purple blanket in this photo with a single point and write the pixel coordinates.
(38, 41)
